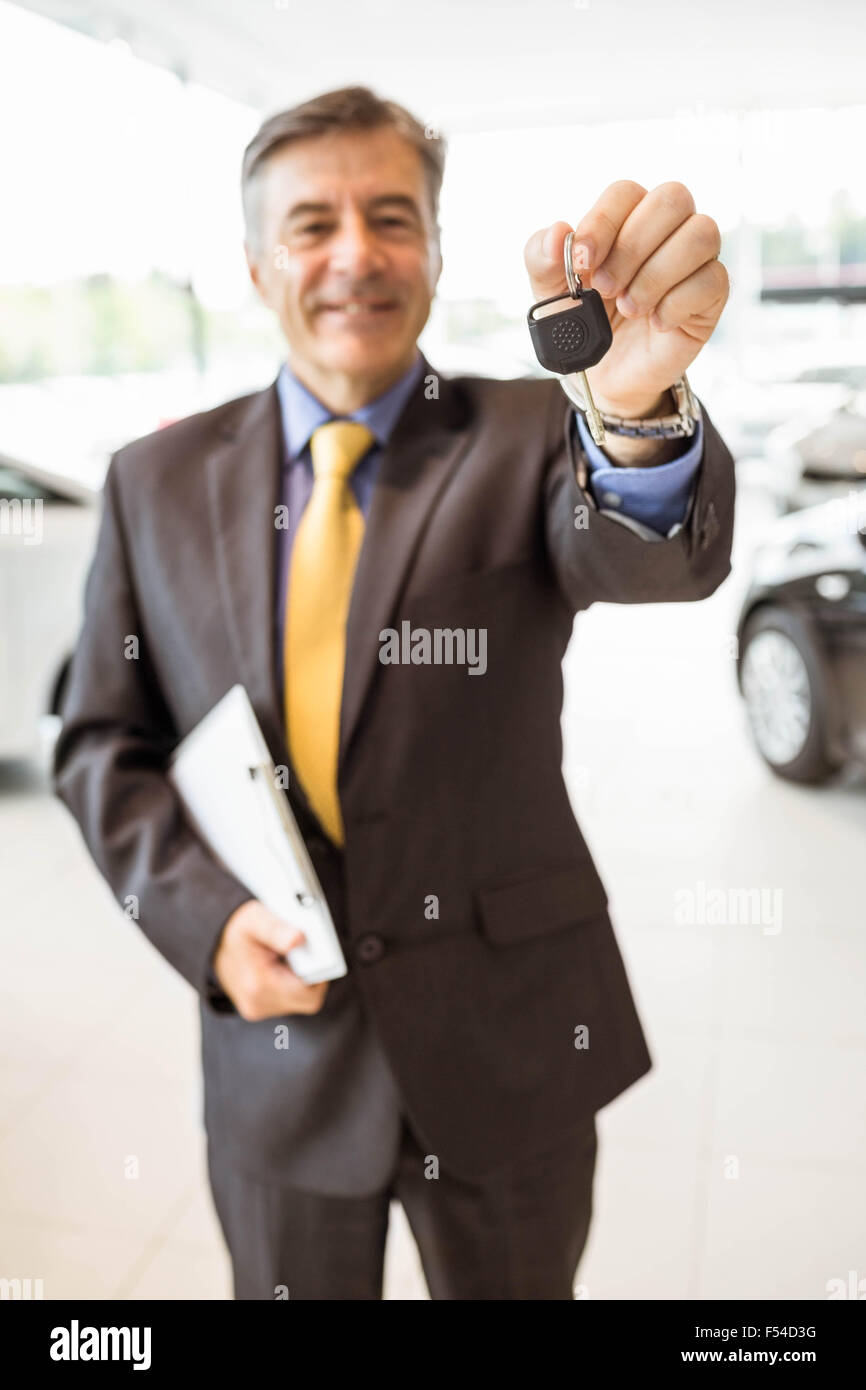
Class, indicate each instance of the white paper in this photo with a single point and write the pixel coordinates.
(224, 775)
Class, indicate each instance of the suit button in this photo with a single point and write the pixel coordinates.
(369, 948)
(317, 845)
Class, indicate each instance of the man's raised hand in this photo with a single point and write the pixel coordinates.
(653, 259)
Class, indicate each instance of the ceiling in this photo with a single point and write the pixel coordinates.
(465, 66)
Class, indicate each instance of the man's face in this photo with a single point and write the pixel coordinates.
(353, 285)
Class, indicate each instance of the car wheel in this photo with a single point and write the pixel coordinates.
(786, 688)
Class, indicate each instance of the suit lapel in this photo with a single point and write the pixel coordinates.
(421, 454)
(243, 490)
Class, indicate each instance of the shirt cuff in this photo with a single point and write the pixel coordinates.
(653, 501)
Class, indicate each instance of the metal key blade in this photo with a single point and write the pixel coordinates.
(593, 417)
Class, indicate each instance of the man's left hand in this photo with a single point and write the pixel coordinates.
(653, 259)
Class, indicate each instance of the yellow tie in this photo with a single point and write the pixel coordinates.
(322, 570)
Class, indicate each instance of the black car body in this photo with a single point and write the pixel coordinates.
(801, 663)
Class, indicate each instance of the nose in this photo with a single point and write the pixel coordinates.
(355, 250)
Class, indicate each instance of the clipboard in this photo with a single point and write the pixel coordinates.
(223, 772)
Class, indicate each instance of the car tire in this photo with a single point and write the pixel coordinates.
(781, 661)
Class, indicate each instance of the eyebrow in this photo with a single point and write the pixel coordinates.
(403, 200)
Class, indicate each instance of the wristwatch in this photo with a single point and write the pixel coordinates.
(679, 425)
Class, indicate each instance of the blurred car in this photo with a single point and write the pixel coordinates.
(801, 664)
(751, 412)
(47, 534)
(811, 464)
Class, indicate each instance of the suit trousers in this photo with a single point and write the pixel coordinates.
(517, 1234)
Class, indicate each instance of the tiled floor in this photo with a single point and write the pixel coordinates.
(733, 1170)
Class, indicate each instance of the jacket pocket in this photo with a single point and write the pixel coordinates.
(518, 909)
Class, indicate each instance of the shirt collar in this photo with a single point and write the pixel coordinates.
(302, 412)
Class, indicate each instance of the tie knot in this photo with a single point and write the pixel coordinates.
(337, 447)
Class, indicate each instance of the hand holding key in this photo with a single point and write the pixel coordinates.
(653, 260)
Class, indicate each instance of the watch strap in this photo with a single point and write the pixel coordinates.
(680, 424)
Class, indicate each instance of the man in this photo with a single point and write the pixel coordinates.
(323, 542)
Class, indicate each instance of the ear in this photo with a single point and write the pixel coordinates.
(254, 269)
(435, 265)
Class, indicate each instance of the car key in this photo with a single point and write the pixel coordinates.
(575, 338)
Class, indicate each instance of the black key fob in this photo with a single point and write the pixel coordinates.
(574, 339)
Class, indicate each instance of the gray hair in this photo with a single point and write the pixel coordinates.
(348, 108)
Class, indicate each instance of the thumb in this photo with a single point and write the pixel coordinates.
(273, 931)
(545, 261)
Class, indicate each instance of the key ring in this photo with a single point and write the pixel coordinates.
(575, 287)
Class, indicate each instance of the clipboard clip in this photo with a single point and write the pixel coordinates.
(263, 775)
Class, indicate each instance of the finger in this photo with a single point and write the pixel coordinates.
(283, 992)
(272, 931)
(695, 303)
(596, 233)
(696, 242)
(650, 223)
(544, 259)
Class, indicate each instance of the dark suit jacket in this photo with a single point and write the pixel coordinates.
(450, 783)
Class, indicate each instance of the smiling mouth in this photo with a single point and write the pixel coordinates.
(360, 308)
